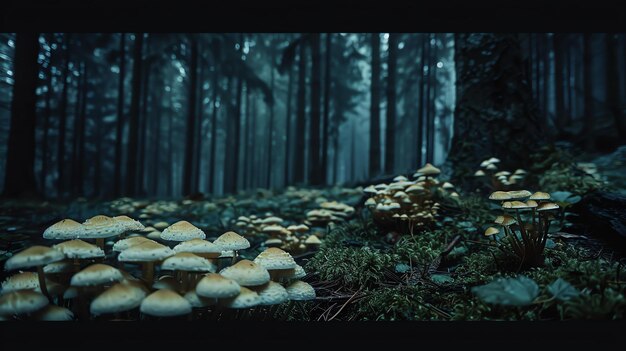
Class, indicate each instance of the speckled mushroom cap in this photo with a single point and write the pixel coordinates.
(21, 302)
(428, 170)
(295, 273)
(313, 240)
(519, 194)
(500, 195)
(217, 286)
(165, 303)
(33, 256)
(120, 297)
(272, 294)
(247, 273)
(300, 291)
(300, 228)
(539, 195)
(182, 231)
(54, 313)
(124, 244)
(199, 246)
(58, 267)
(79, 249)
(275, 258)
(232, 241)
(96, 274)
(246, 299)
(186, 261)
(145, 252)
(101, 226)
(21, 281)
(546, 206)
(64, 229)
(198, 301)
(128, 223)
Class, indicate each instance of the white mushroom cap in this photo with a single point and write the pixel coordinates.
(272, 220)
(186, 261)
(58, 267)
(124, 244)
(182, 231)
(21, 302)
(63, 229)
(199, 246)
(128, 223)
(165, 303)
(145, 252)
(300, 291)
(101, 227)
(232, 241)
(275, 258)
(54, 313)
(96, 274)
(120, 297)
(161, 225)
(21, 281)
(247, 273)
(272, 294)
(216, 286)
(246, 299)
(33, 256)
(198, 301)
(79, 249)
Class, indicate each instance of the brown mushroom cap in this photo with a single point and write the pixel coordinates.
(428, 170)
(96, 274)
(519, 194)
(539, 195)
(33, 256)
(547, 206)
(275, 258)
(216, 286)
(500, 195)
(491, 231)
(120, 297)
(128, 223)
(516, 205)
(272, 293)
(124, 244)
(21, 302)
(63, 229)
(200, 247)
(231, 241)
(245, 299)
(101, 226)
(186, 261)
(505, 220)
(79, 249)
(165, 303)
(145, 252)
(54, 314)
(300, 291)
(182, 231)
(247, 273)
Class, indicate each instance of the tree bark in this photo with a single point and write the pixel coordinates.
(270, 139)
(422, 102)
(327, 85)
(432, 96)
(390, 130)
(315, 168)
(131, 164)
(588, 130)
(374, 152)
(212, 163)
(20, 173)
(558, 83)
(63, 121)
(495, 115)
(191, 119)
(288, 127)
(298, 172)
(46, 123)
(612, 85)
(119, 128)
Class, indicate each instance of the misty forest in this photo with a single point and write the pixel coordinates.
(312, 176)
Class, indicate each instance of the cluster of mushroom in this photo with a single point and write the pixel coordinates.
(329, 212)
(525, 223)
(408, 204)
(72, 277)
(499, 180)
(293, 238)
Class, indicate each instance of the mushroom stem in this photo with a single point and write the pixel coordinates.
(148, 272)
(234, 260)
(100, 243)
(184, 277)
(42, 281)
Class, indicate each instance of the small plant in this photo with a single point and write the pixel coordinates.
(525, 225)
(499, 179)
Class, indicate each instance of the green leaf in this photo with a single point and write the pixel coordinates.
(441, 278)
(402, 268)
(550, 244)
(519, 291)
(562, 290)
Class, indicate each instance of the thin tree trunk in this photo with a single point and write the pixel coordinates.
(288, 127)
(131, 164)
(246, 140)
(558, 83)
(422, 102)
(432, 111)
(270, 141)
(191, 117)
(97, 185)
(427, 96)
(546, 76)
(119, 128)
(612, 85)
(46, 124)
(76, 141)
(143, 128)
(20, 165)
(63, 121)
(170, 152)
(314, 141)
(156, 146)
(327, 86)
(81, 133)
(374, 152)
(390, 130)
(237, 132)
(255, 159)
(588, 130)
(199, 123)
(212, 163)
(353, 152)
(298, 174)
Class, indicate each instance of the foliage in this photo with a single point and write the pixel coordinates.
(520, 291)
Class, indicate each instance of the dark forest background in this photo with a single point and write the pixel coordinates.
(168, 115)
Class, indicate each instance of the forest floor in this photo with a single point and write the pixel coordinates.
(363, 270)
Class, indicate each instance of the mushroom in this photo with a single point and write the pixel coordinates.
(63, 229)
(232, 241)
(182, 231)
(35, 256)
(21, 302)
(247, 273)
(78, 249)
(185, 262)
(215, 286)
(100, 227)
(165, 303)
(118, 298)
(147, 253)
(54, 313)
(276, 261)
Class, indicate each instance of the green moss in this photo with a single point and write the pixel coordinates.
(353, 267)
(392, 304)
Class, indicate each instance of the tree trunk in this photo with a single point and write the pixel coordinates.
(314, 141)
(20, 165)
(559, 95)
(156, 146)
(143, 126)
(191, 119)
(246, 143)
(374, 154)
(422, 101)
(198, 128)
(119, 128)
(63, 121)
(76, 141)
(255, 159)
(428, 97)
(495, 115)
(270, 141)
(131, 164)
(546, 77)
(288, 127)
(46, 124)
(212, 163)
(237, 132)
(298, 173)
(81, 134)
(390, 130)
(612, 85)
(170, 152)
(327, 86)
(97, 176)
(588, 130)
(432, 96)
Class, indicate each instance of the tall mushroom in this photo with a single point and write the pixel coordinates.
(35, 256)
(147, 253)
(232, 241)
(100, 227)
(185, 262)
